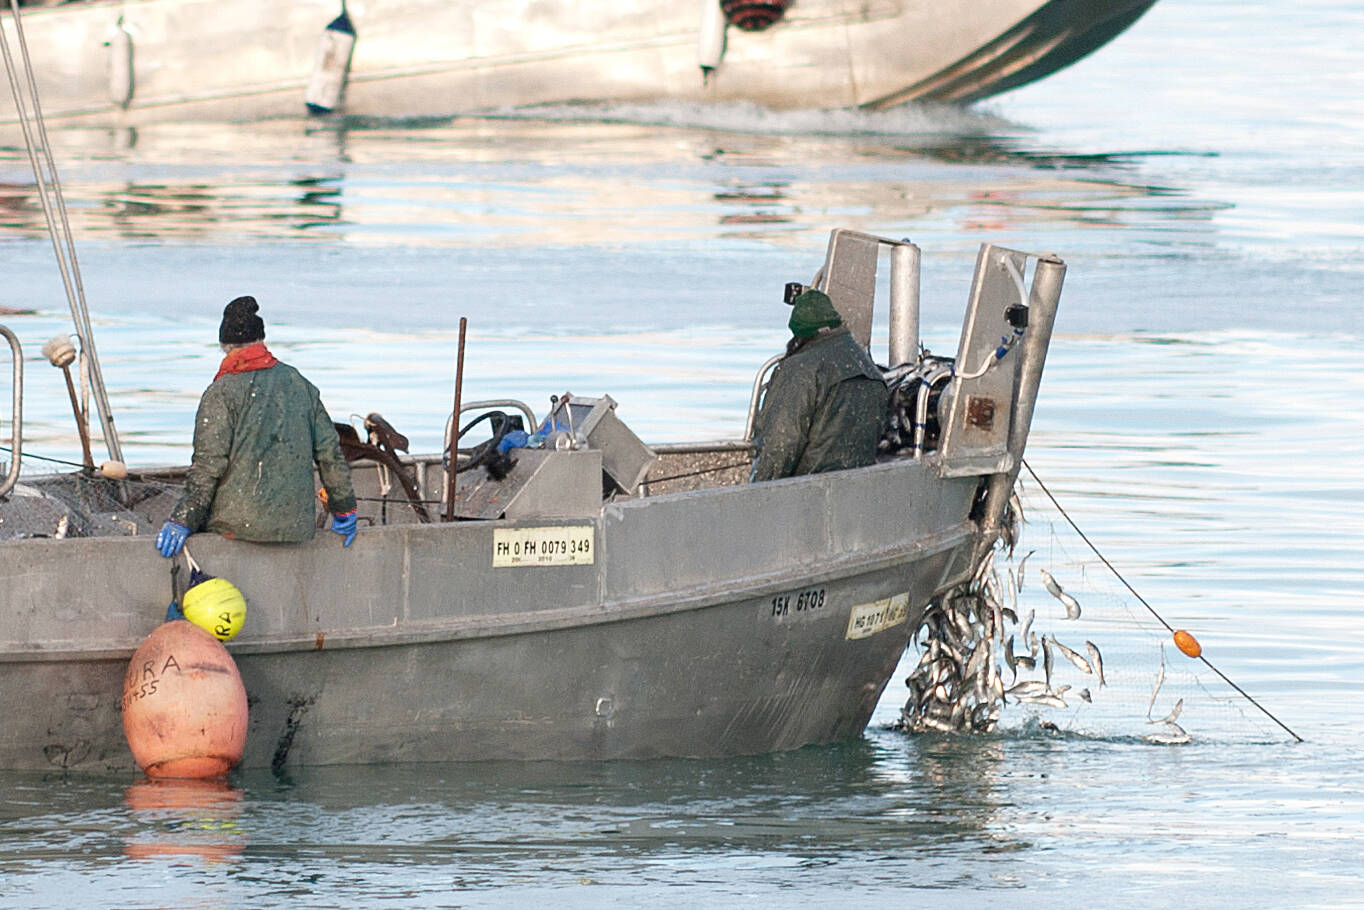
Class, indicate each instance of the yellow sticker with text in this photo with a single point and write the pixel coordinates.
(564, 545)
(866, 620)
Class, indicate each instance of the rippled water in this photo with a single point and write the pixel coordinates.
(1200, 420)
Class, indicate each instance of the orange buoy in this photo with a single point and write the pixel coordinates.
(1187, 643)
(184, 705)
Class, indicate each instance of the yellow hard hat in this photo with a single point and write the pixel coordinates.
(217, 607)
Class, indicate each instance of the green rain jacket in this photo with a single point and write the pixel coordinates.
(824, 410)
(256, 438)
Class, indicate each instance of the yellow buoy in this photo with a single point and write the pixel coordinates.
(1187, 643)
(216, 606)
(184, 705)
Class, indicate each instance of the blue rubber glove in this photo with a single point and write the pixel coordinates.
(171, 538)
(344, 524)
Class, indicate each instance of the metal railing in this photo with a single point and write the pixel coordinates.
(16, 414)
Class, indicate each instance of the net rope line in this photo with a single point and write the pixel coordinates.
(1118, 575)
(1113, 610)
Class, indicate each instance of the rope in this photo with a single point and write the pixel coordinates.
(723, 467)
(1070, 521)
(74, 464)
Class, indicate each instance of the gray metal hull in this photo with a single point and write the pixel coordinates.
(734, 620)
(191, 59)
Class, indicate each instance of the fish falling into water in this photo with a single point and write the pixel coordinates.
(1070, 603)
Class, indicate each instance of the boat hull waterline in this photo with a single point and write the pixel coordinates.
(125, 63)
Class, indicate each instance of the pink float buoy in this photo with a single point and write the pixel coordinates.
(184, 705)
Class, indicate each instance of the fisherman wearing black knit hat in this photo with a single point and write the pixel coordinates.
(825, 402)
(260, 430)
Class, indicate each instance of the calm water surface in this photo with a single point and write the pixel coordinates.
(1200, 420)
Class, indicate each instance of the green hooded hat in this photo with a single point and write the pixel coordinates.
(812, 311)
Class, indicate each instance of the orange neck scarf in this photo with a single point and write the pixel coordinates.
(244, 360)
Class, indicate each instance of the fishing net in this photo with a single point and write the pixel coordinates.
(79, 504)
(1045, 637)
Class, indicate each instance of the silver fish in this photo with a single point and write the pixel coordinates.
(934, 724)
(1160, 678)
(1046, 659)
(1050, 701)
(994, 590)
(986, 566)
(1027, 625)
(974, 661)
(1175, 736)
(1052, 587)
(1027, 687)
(1025, 661)
(1172, 716)
(1021, 563)
(1009, 660)
(1084, 694)
(1080, 663)
(1096, 661)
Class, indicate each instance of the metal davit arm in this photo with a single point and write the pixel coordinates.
(16, 415)
(1048, 276)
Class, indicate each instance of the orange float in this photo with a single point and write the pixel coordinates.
(184, 705)
(1187, 643)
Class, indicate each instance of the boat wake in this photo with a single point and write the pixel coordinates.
(926, 123)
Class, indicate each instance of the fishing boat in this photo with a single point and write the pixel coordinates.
(600, 598)
(126, 62)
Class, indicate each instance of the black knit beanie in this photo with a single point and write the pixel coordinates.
(240, 323)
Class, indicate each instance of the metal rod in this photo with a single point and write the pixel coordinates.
(17, 443)
(454, 427)
(80, 422)
(904, 304)
(1047, 279)
(751, 423)
(54, 210)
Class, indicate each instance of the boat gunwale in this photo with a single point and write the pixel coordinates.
(525, 622)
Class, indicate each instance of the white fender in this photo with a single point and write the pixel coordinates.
(332, 66)
(120, 44)
(710, 49)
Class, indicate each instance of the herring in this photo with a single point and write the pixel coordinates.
(1054, 589)
(1080, 663)
(1096, 661)
(1172, 716)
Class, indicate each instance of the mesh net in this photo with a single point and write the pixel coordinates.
(1046, 637)
(77, 504)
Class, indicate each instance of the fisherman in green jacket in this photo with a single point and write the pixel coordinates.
(259, 431)
(826, 401)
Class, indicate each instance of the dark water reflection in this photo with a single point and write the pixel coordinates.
(535, 181)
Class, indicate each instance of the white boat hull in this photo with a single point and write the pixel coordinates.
(127, 62)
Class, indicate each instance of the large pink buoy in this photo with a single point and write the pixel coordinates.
(184, 705)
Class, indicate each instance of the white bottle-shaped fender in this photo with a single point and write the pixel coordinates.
(332, 66)
(120, 44)
(710, 48)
